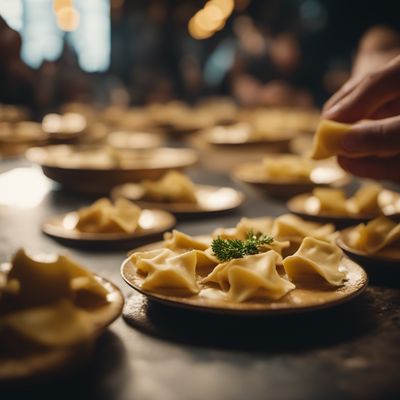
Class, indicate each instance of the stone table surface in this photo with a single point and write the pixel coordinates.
(349, 352)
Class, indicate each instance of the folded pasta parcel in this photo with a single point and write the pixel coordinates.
(315, 258)
(328, 138)
(46, 301)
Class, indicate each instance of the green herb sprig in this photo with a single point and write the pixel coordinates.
(228, 249)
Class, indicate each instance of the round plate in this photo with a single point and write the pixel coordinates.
(153, 224)
(135, 140)
(44, 365)
(305, 206)
(240, 134)
(324, 175)
(383, 259)
(303, 298)
(210, 199)
(88, 169)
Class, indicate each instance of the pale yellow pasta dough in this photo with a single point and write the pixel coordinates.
(365, 200)
(262, 225)
(327, 140)
(290, 227)
(56, 325)
(288, 167)
(172, 187)
(376, 235)
(251, 276)
(167, 269)
(331, 200)
(315, 257)
(104, 217)
(44, 282)
(177, 241)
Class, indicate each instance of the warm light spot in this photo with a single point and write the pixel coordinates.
(23, 187)
(147, 219)
(68, 19)
(225, 6)
(60, 4)
(210, 19)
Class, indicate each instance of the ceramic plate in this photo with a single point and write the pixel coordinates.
(46, 364)
(324, 175)
(304, 298)
(210, 199)
(93, 169)
(153, 223)
(306, 206)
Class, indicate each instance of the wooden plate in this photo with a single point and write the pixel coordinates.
(376, 261)
(306, 206)
(210, 199)
(324, 175)
(304, 298)
(153, 224)
(45, 364)
(70, 165)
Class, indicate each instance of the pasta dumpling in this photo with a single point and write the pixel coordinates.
(251, 276)
(104, 217)
(166, 269)
(179, 241)
(365, 200)
(172, 187)
(327, 140)
(43, 282)
(288, 166)
(377, 235)
(263, 225)
(331, 200)
(315, 258)
(289, 227)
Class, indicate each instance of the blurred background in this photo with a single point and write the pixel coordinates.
(138, 52)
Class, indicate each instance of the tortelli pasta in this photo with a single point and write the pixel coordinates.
(250, 277)
(375, 236)
(41, 301)
(290, 227)
(186, 266)
(364, 202)
(104, 217)
(288, 167)
(167, 269)
(315, 257)
(328, 138)
(172, 187)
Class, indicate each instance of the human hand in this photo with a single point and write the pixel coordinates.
(372, 96)
(379, 142)
(376, 95)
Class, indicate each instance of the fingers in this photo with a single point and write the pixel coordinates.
(363, 99)
(387, 168)
(375, 138)
(341, 93)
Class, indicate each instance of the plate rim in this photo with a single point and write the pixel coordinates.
(96, 237)
(31, 155)
(241, 197)
(340, 182)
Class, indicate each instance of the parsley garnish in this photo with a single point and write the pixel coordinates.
(228, 249)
